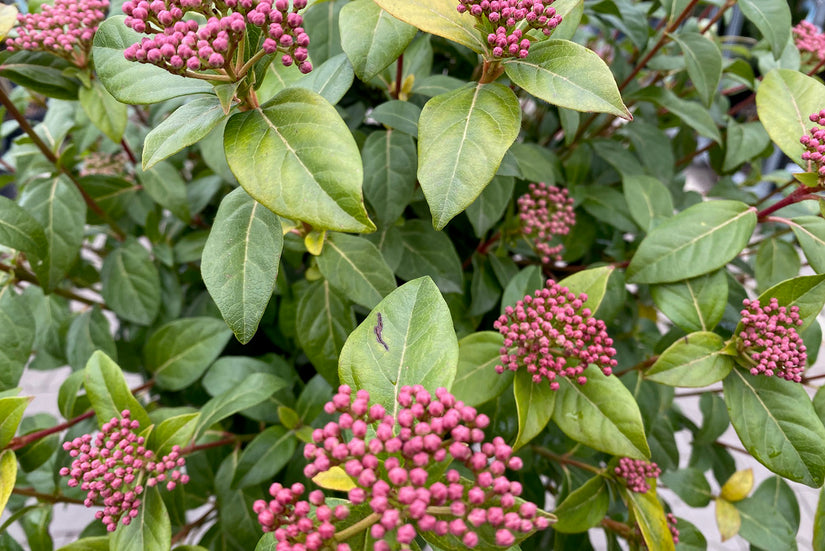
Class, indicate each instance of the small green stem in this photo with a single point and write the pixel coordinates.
(241, 73)
(357, 528)
(203, 76)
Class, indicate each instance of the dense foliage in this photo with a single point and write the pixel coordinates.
(410, 274)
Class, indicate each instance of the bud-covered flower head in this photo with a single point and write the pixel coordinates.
(182, 46)
(815, 144)
(501, 17)
(546, 211)
(65, 29)
(809, 40)
(391, 458)
(635, 472)
(116, 466)
(671, 523)
(770, 341)
(544, 332)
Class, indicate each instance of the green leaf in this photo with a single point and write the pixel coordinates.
(131, 82)
(715, 420)
(105, 112)
(810, 232)
(776, 261)
(704, 62)
(696, 304)
(695, 360)
(324, 320)
(784, 101)
(174, 431)
(489, 206)
(534, 403)
(777, 424)
(770, 517)
(230, 371)
(772, 18)
(19, 230)
(187, 125)
(240, 261)
(462, 138)
(568, 75)
(691, 113)
(150, 530)
(806, 292)
(11, 412)
(690, 485)
(601, 414)
(166, 187)
(8, 477)
(131, 284)
(438, 17)
(296, 147)
(390, 161)
(650, 517)
(583, 508)
(648, 200)
(608, 204)
(413, 343)
(427, 252)
(371, 37)
(476, 379)
(113, 194)
(69, 402)
(321, 21)
(592, 282)
(179, 352)
(819, 522)
(97, 543)
(253, 390)
(356, 267)
(108, 393)
(742, 142)
(526, 282)
(59, 208)
(17, 334)
(331, 79)
(264, 457)
(87, 333)
(696, 241)
(399, 115)
(41, 72)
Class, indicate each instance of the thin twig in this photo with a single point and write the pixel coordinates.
(49, 498)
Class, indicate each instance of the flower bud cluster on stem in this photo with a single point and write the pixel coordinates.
(396, 471)
(185, 48)
(545, 212)
(770, 340)
(65, 29)
(810, 42)
(815, 144)
(635, 472)
(116, 466)
(545, 331)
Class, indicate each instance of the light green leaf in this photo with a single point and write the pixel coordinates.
(534, 403)
(462, 138)
(179, 352)
(356, 267)
(601, 414)
(819, 522)
(806, 292)
(592, 282)
(438, 17)
(129, 81)
(240, 261)
(11, 412)
(324, 320)
(174, 431)
(693, 114)
(371, 37)
(390, 161)
(166, 187)
(19, 230)
(743, 142)
(696, 241)
(185, 126)
(810, 232)
(150, 530)
(784, 101)
(476, 379)
(264, 457)
(526, 282)
(583, 508)
(331, 79)
(427, 252)
(772, 18)
(108, 393)
(696, 304)
(17, 334)
(568, 75)
(413, 342)
(131, 284)
(8, 477)
(695, 360)
(105, 112)
(296, 156)
(778, 426)
(97, 543)
(704, 62)
(648, 200)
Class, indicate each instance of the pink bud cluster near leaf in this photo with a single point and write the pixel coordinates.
(809, 39)
(391, 467)
(180, 46)
(546, 211)
(671, 523)
(503, 16)
(116, 466)
(770, 340)
(544, 331)
(65, 29)
(815, 143)
(635, 472)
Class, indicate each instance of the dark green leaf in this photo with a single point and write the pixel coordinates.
(743, 141)
(770, 517)
(131, 284)
(429, 253)
(87, 333)
(324, 320)
(150, 530)
(704, 62)
(165, 186)
(693, 114)
(715, 420)
(695, 360)
(690, 485)
(355, 266)
(489, 207)
(17, 334)
(105, 112)
(694, 304)
(19, 230)
(331, 80)
(810, 232)
(390, 161)
(476, 380)
(526, 282)
(583, 508)
(648, 200)
(772, 18)
(41, 72)
(776, 261)
(264, 457)
(398, 115)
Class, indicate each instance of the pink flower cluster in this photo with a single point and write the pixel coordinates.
(178, 45)
(65, 29)
(505, 15)
(546, 211)
(636, 472)
(810, 40)
(671, 523)
(392, 468)
(771, 341)
(547, 329)
(815, 143)
(114, 466)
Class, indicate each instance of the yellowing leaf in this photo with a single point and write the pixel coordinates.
(334, 479)
(8, 17)
(727, 518)
(314, 241)
(738, 486)
(8, 475)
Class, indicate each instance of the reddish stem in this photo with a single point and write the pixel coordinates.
(399, 74)
(30, 492)
(799, 194)
(21, 441)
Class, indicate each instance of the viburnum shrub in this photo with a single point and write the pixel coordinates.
(292, 275)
